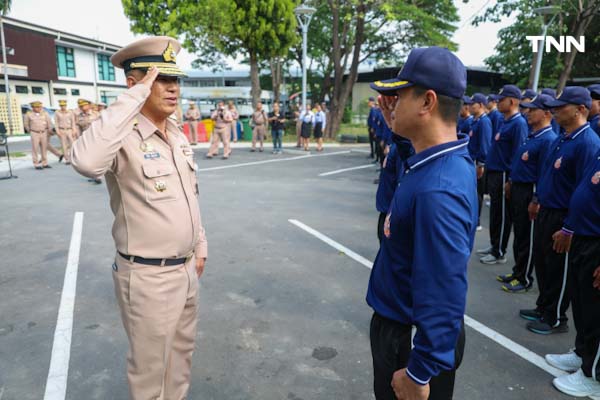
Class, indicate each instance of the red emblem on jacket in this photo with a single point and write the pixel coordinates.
(596, 178)
(525, 156)
(557, 163)
(386, 226)
(497, 136)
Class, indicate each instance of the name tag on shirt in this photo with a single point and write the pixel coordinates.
(151, 156)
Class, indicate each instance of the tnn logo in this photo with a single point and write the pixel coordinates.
(564, 43)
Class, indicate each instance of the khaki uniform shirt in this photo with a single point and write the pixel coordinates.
(221, 122)
(64, 120)
(83, 120)
(37, 122)
(259, 118)
(151, 180)
(192, 115)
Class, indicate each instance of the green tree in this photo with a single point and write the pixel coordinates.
(257, 30)
(514, 56)
(5, 6)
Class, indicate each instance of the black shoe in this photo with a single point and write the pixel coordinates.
(60, 158)
(98, 181)
(543, 328)
(38, 167)
(531, 315)
(47, 166)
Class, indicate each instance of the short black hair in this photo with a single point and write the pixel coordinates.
(449, 107)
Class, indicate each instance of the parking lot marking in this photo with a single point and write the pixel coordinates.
(273, 161)
(56, 384)
(339, 171)
(500, 339)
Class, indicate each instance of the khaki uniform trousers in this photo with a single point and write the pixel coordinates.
(193, 124)
(234, 130)
(219, 135)
(39, 148)
(158, 308)
(66, 140)
(51, 148)
(258, 134)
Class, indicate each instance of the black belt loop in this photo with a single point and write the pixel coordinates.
(166, 262)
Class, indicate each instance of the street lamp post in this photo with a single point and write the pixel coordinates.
(544, 12)
(304, 14)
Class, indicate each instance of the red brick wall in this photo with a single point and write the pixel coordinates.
(33, 49)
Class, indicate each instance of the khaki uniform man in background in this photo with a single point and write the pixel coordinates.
(192, 116)
(259, 127)
(64, 121)
(83, 120)
(151, 178)
(235, 117)
(221, 132)
(37, 123)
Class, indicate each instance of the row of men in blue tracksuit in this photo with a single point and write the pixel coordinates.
(380, 134)
(538, 157)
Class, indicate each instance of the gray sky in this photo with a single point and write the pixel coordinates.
(104, 20)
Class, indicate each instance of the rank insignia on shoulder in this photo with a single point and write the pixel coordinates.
(160, 186)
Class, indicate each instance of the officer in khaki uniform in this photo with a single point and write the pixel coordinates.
(161, 245)
(37, 123)
(221, 131)
(259, 127)
(192, 115)
(83, 119)
(64, 121)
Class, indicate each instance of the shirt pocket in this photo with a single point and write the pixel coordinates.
(160, 182)
(192, 172)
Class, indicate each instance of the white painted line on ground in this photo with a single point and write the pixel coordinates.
(1, 392)
(333, 243)
(56, 384)
(361, 151)
(502, 340)
(272, 161)
(339, 171)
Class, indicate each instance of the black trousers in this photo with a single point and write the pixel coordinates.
(584, 259)
(380, 223)
(500, 215)
(550, 267)
(520, 197)
(390, 348)
(481, 190)
(372, 142)
(379, 150)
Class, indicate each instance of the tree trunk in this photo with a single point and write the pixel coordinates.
(582, 23)
(276, 79)
(255, 90)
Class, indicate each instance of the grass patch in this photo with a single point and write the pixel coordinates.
(17, 154)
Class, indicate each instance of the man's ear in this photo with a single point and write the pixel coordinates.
(429, 101)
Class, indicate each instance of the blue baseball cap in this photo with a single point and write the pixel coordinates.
(434, 68)
(529, 93)
(576, 95)
(509, 91)
(540, 101)
(492, 97)
(466, 100)
(479, 98)
(550, 92)
(595, 91)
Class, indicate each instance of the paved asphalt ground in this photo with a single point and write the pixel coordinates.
(283, 314)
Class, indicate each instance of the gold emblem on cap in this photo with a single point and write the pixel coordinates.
(160, 186)
(169, 54)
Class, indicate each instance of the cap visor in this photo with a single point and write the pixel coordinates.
(557, 103)
(171, 71)
(468, 103)
(529, 105)
(390, 86)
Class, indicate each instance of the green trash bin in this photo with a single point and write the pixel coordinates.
(247, 129)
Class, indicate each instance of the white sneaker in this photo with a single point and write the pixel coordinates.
(569, 362)
(479, 227)
(485, 251)
(577, 385)
(491, 259)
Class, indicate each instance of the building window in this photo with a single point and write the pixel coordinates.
(37, 90)
(60, 91)
(75, 92)
(2, 89)
(21, 89)
(65, 61)
(106, 71)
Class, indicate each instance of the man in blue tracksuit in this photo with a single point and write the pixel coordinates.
(564, 167)
(371, 124)
(419, 276)
(584, 280)
(493, 114)
(504, 145)
(525, 171)
(594, 117)
(465, 119)
(480, 140)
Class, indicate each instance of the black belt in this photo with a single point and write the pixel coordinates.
(154, 261)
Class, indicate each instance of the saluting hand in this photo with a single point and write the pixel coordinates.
(387, 105)
(200, 266)
(562, 242)
(406, 389)
(149, 78)
(597, 278)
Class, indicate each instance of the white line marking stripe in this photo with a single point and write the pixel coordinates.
(56, 384)
(333, 243)
(502, 340)
(273, 161)
(339, 171)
